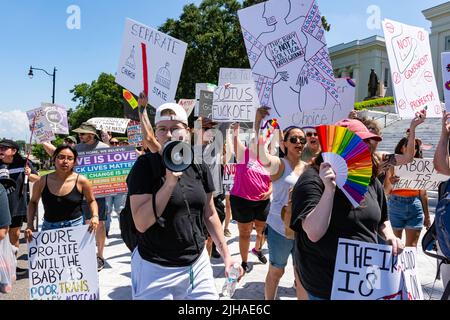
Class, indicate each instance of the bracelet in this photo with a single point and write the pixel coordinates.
(95, 216)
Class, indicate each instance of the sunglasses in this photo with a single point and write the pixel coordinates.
(114, 143)
(295, 140)
(310, 134)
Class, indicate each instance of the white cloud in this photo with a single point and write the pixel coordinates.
(14, 125)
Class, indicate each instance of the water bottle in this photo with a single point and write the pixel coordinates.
(230, 283)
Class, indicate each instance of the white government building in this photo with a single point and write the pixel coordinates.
(356, 59)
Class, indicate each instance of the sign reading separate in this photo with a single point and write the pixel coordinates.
(107, 169)
(117, 125)
(199, 87)
(290, 62)
(205, 104)
(445, 61)
(42, 129)
(367, 271)
(161, 73)
(235, 76)
(412, 70)
(235, 103)
(188, 105)
(134, 133)
(57, 117)
(63, 265)
(419, 175)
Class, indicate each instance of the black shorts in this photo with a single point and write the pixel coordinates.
(220, 207)
(17, 221)
(245, 211)
(101, 203)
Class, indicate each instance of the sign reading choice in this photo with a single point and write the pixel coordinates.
(107, 169)
(63, 265)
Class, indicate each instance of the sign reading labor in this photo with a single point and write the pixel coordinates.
(159, 75)
(63, 265)
(412, 70)
(445, 62)
(117, 125)
(368, 271)
(290, 62)
(107, 169)
(419, 175)
(234, 103)
(40, 127)
(57, 117)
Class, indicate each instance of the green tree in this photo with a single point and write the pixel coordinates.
(101, 98)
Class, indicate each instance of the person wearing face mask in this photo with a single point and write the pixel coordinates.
(170, 211)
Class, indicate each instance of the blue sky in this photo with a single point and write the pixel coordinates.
(34, 32)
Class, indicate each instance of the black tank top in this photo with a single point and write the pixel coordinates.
(57, 209)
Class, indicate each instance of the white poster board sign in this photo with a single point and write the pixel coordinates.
(235, 76)
(229, 171)
(150, 61)
(419, 175)
(41, 127)
(57, 117)
(412, 70)
(117, 125)
(445, 62)
(234, 104)
(367, 271)
(346, 89)
(188, 105)
(63, 265)
(290, 62)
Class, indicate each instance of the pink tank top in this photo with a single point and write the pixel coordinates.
(250, 179)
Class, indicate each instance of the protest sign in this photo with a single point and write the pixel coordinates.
(199, 87)
(229, 171)
(290, 62)
(157, 77)
(412, 70)
(346, 89)
(117, 125)
(57, 117)
(129, 97)
(235, 76)
(63, 265)
(234, 103)
(107, 169)
(188, 105)
(368, 271)
(40, 126)
(205, 104)
(445, 62)
(134, 134)
(419, 175)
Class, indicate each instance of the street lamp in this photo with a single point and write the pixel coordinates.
(30, 74)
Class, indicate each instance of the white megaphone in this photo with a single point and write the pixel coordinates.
(177, 156)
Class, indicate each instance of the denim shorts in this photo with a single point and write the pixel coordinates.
(62, 224)
(279, 248)
(405, 212)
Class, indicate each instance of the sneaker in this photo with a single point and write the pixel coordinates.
(247, 268)
(227, 233)
(259, 255)
(100, 263)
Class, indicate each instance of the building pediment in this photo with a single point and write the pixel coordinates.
(438, 12)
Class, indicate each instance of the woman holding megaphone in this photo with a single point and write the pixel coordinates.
(170, 210)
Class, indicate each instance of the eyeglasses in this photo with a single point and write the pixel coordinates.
(63, 157)
(114, 143)
(163, 130)
(310, 134)
(295, 140)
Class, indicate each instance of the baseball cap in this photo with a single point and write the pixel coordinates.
(180, 113)
(9, 144)
(71, 139)
(87, 127)
(359, 128)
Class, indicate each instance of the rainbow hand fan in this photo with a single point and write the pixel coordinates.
(350, 159)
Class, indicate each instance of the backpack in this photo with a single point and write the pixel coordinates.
(440, 232)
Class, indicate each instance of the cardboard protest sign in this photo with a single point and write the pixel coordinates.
(134, 134)
(117, 125)
(57, 117)
(107, 169)
(235, 76)
(412, 70)
(40, 126)
(205, 104)
(445, 62)
(419, 175)
(188, 105)
(199, 87)
(290, 62)
(158, 76)
(63, 265)
(367, 271)
(346, 89)
(234, 103)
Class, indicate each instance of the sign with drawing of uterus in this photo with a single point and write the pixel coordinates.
(290, 62)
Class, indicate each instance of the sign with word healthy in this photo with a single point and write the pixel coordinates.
(117, 125)
(63, 265)
(40, 126)
(234, 103)
(412, 70)
(368, 271)
(151, 61)
(419, 175)
(107, 169)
